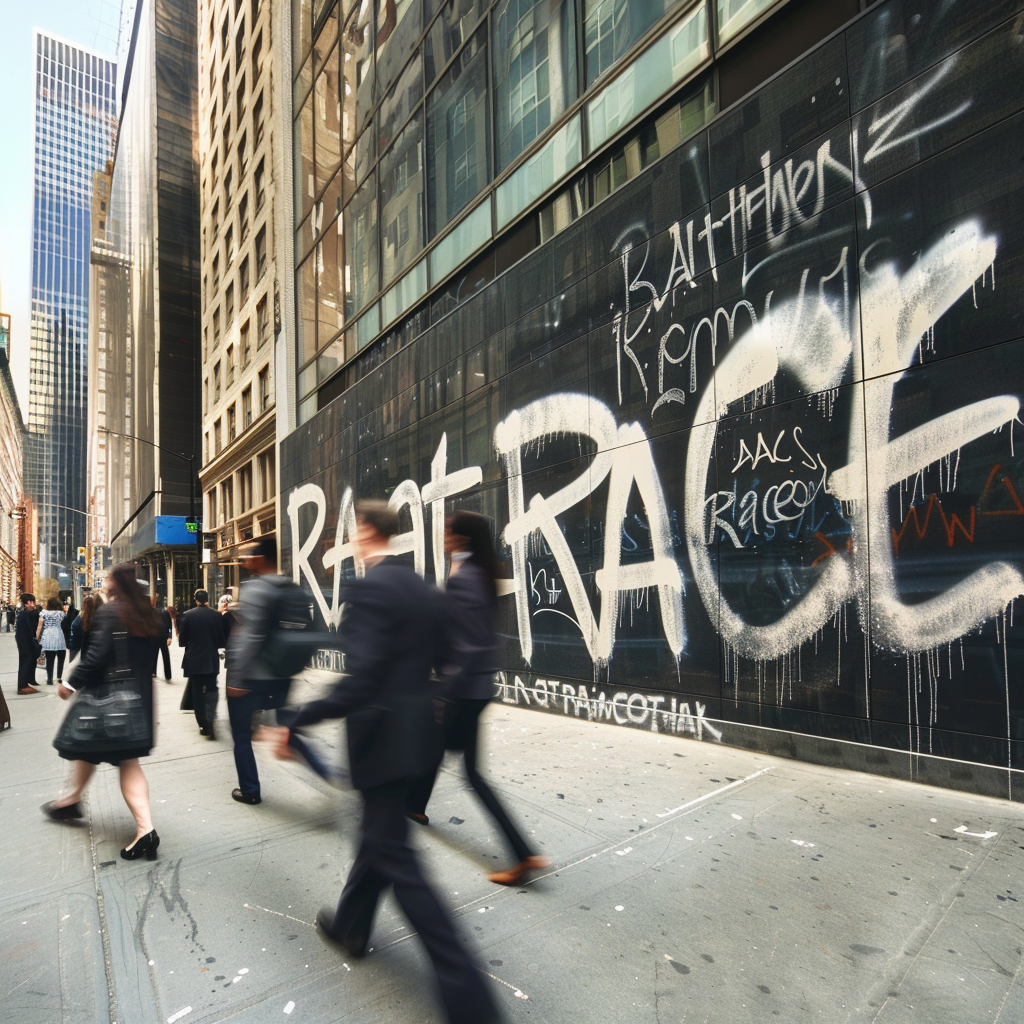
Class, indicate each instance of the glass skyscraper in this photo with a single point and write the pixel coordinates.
(75, 126)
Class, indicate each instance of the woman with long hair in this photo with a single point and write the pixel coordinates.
(50, 633)
(129, 611)
(82, 626)
(471, 605)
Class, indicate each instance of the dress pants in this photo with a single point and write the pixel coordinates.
(204, 698)
(59, 657)
(385, 858)
(26, 667)
(265, 694)
(462, 733)
(165, 651)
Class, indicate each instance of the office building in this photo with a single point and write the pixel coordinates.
(243, 140)
(75, 123)
(711, 306)
(12, 502)
(147, 277)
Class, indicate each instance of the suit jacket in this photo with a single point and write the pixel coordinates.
(65, 627)
(257, 598)
(25, 629)
(471, 609)
(201, 633)
(391, 638)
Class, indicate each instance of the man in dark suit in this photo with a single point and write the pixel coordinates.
(390, 637)
(28, 647)
(201, 633)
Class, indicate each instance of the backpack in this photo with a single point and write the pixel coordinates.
(291, 637)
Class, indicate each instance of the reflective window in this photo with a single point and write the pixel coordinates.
(399, 23)
(401, 200)
(534, 69)
(400, 101)
(654, 72)
(330, 291)
(550, 163)
(411, 288)
(734, 15)
(457, 136)
(305, 301)
(357, 71)
(361, 251)
(361, 157)
(463, 241)
(325, 40)
(327, 105)
(611, 27)
(302, 148)
(453, 27)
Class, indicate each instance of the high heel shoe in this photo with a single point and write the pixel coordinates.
(145, 845)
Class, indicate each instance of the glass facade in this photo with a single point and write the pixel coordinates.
(75, 122)
(425, 129)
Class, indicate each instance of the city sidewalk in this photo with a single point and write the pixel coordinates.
(692, 882)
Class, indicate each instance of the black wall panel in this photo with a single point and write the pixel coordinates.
(749, 430)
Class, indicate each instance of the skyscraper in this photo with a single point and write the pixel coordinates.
(75, 124)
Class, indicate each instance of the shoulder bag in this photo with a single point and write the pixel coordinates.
(110, 717)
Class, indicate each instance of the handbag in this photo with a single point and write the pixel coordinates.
(110, 717)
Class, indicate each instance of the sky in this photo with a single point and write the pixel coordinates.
(90, 23)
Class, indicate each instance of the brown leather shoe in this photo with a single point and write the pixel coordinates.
(514, 874)
(28, 689)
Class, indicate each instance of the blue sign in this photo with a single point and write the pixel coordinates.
(173, 530)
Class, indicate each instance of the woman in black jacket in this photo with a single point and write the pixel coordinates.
(81, 628)
(127, 611)
(471, 605)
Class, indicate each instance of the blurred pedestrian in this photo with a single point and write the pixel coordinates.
(50, 634)
(471, 606)
(167, 625)
(252, 685)
(28, 646)
(81, 628)
(127, 619)
(201, 633)
(9, 615)
(224, 607)
(390, 637)
(70, 614)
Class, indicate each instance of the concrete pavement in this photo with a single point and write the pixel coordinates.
(692, 882)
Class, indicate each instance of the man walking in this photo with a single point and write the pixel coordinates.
(28, 647)
(201, 633)
(391, 641)
(252, 686)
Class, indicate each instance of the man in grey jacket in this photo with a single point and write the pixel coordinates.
(251, 686)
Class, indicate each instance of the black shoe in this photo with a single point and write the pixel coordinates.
(144, 847)
(211, 733)
(324, 924)
(62, 813)
(246, 798)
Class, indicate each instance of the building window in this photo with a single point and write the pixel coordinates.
(206, 399)
(259, 182)
(243, 281)
(257, 122)
(240, 45)
(264, 386)
(261, 252)
(216, 382)
(243, 216)
(262, 323)
(213, 123)
(226, 137)
(225, 34)
(215, 219)
(245, 488)
(228, 186)
(243, 156)
(211, 507)
(217, 446)
(534, 70)
(240, 99)
(267, 475)
(206, 457)
(216, 326)
(257, 56)
(232, 423)
(229, 247)
(247, 408)
(227, 500)
(225, 89)
(229, 361)
(457, 133)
